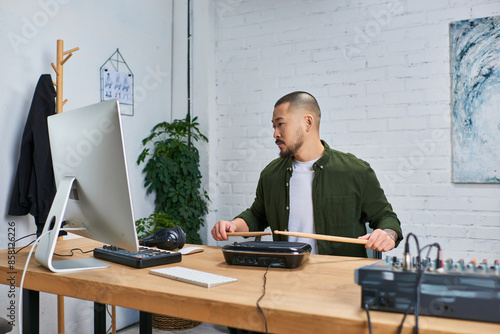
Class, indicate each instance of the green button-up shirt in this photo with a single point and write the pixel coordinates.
(345, 194)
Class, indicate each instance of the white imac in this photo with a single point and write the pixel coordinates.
(93, 193)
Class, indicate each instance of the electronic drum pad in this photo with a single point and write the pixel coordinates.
(281, 254)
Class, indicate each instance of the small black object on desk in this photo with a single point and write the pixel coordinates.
(281, 254)
(145, 257)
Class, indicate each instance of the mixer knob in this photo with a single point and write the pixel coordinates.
(460, 265)
(471, 266)
(483, 265)
(448, 266)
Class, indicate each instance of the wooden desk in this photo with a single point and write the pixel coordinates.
(319, 297)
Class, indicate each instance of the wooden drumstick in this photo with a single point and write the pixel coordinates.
(323, 237)
(247, 234)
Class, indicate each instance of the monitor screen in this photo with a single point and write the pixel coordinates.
(93, 193)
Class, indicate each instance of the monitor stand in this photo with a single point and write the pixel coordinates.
(48, 239)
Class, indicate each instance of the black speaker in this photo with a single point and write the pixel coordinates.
(166, 238)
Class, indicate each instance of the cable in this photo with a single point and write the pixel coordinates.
(35, 242)
(20, 249)
(438, 255)
(419, 271)
(28, 235)
(20, 320)
(400, 328)
(421, 268)
(21, 238)
(407, 246)
(74, 249)
(262, 296)
(419, 282)
(367, 309)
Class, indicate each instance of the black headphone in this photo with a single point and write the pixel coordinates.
(166, 238)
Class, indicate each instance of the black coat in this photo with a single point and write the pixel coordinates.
(34, 186)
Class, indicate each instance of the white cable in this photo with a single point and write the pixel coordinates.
(20, 309)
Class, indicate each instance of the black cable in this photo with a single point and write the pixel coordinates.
(29, 235)
(262, 296)
(417, 301)
(74, 249)
(20, 249)
(419, 271)
(421, 268)
(407, 247)
(419, 281)
(367, 309)
(21, 238)
(438, 256)
(400, 328)
(189, 66)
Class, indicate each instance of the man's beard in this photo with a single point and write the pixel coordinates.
(290, 151)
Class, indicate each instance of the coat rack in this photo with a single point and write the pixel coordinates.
(60, 60)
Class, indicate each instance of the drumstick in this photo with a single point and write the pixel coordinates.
(323, 237)
(247, 234)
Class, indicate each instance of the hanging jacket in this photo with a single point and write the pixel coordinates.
(34, 186)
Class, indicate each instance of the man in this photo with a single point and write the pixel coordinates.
(312, 188)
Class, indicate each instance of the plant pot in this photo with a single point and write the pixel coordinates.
(165, 322)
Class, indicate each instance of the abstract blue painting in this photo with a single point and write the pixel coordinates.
(475, 81)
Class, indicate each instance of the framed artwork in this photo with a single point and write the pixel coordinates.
(475, 83)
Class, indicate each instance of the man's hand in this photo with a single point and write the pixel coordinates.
(219, 231)
(381, 240)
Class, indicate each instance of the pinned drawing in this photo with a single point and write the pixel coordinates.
(118, 83)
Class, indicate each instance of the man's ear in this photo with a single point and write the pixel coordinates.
(309, 120)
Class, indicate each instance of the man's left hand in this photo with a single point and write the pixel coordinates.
(381, 240)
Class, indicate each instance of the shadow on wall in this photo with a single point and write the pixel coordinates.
(5, 326)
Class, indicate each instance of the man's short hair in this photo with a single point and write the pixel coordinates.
(301, 99)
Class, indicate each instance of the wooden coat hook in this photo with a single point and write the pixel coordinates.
(60, 60)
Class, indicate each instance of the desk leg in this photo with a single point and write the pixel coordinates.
(99, 318)
(31, 312)
(146, 323)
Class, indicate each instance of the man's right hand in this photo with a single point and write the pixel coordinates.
(219, 231)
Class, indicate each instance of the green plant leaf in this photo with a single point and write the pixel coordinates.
(172, 172)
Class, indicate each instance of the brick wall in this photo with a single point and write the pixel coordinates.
(381, 73)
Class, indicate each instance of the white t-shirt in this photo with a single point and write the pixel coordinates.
(301, 206)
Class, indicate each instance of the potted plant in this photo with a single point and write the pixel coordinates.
(152, 224)
(172, 172)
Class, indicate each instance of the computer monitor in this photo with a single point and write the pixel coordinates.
(93, 194)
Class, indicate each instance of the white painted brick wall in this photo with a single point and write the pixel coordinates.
(381, 73)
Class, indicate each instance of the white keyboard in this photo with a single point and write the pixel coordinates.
(192, 276)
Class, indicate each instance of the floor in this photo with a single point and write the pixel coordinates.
(204, 328)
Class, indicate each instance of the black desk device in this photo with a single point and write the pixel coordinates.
(145, 257)
(281, 254)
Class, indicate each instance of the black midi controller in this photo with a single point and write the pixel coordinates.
(458, 290)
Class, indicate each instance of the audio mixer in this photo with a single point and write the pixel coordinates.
(451, 289)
